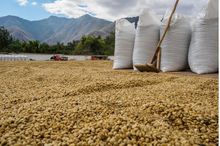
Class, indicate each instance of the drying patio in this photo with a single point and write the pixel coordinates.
(88, 103)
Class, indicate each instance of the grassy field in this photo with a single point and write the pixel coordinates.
(88, 103)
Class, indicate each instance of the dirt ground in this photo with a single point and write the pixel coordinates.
(88, 103)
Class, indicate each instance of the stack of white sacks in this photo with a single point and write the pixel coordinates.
(13, 58)
(185, 45)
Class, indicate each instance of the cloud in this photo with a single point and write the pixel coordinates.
(22, 2)
(115, 9)
(34, 3)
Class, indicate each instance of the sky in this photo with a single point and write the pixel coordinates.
(106, 9)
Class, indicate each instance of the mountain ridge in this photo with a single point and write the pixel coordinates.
(57, 29)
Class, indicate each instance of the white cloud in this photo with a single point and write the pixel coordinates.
(66, 7)
(22, 2)
(114, 9)
(34, 3)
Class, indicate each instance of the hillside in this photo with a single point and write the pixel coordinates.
(76, 28)
(54, 29)
(58, 29)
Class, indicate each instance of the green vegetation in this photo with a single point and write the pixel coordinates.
(5, 39)
(88, 45)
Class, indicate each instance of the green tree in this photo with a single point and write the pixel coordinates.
(32, 47)
(15, 46)
(90, 45)
(5, 39)
(60, 48)
(80, 50)
(45, 48)
(71, 47)
(24, 46)
(110, 44)
(98, 46)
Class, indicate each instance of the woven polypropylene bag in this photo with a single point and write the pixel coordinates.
(124, 44)
(174, 54)
(147, 37)
(203, 52)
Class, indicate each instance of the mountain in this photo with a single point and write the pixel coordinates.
(18, 27)
(77, 28)
(46, 28)
(58, 29)
(105, 31)
(53, 29)
(17, 32)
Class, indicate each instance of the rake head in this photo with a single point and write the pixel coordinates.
(147, 68)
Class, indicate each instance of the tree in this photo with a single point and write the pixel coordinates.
(71, 47)
(33, 47)
(80, 48)
(110, 44)
(98, 46)
(45, 48)
(5, 39)
(15, 46)
(90, 45)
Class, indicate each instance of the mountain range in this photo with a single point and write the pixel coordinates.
(58, 29)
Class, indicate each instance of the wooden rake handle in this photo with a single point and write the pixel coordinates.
(164, 33)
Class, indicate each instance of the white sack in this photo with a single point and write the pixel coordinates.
(203, 52)
(174, 54)
(147, 37)
(124, 44)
